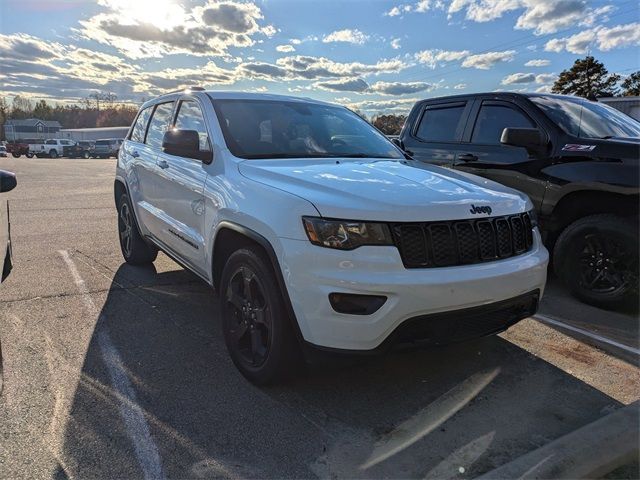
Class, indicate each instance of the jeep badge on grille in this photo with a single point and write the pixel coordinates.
(480, 209)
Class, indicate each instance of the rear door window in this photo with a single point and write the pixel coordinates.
(441, 123)
(493, 119)
(140, 127)
(159, 124)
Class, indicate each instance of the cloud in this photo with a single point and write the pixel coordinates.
(541, 16)
(207, 30)
(347, 36)
(285, 48)
(400, 88)
(349, 85)
(602, 38)
(395, 43)
(546, 78)
(537, 63)
(432, 58)
(485, 61)
(460, 86)
(380, 106)
(515, 78)
(421, 6)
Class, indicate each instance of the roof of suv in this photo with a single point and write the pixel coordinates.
(503, 94)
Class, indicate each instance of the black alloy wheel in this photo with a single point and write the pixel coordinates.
(125, 228)
(134, 248)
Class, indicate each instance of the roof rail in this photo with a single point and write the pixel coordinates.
(193, 89)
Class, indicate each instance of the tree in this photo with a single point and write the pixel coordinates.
(587, 78)
(105, 99)
(631, 85)
(42, 110)
(21, 108)
(389, 124)
(4, 115)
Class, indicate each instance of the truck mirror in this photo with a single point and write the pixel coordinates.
(532, 139)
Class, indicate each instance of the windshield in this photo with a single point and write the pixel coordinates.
(280, 129)
(582, 118)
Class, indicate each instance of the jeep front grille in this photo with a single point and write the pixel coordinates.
(462, 242)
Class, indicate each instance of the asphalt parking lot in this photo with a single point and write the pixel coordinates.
(113, 371)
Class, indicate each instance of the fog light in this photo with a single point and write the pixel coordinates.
(356, 304)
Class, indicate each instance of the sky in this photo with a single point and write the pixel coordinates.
(375, 56)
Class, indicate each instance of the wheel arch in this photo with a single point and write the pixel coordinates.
(230, 237)
(119, 188)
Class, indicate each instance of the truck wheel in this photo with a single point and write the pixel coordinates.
(53, 153)
(597, 258)
(256, 326)
(29, 155)
(134, 249)
(15, 155)
(85, 155)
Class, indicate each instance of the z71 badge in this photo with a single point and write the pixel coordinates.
(576, 147)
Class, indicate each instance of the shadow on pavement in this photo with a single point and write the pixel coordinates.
(445, 412)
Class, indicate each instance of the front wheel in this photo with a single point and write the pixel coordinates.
(597, 258)
(134, 249)
(256, 326)
(53, 153)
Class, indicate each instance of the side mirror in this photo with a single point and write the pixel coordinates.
(185, 143)
(397, 142)
(532, 139)
(7, 181)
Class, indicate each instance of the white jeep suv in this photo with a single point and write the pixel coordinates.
(317, 232)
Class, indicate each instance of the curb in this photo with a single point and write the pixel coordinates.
(589, 452)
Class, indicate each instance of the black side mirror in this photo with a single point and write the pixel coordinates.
(185, 143)
(7, 181)
(532, 139)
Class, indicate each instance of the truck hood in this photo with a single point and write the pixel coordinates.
(385, 190)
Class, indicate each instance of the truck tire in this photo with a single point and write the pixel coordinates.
(53, 153)
(15, 155)
(134, 248)
(597, 258)
(256, 327)
(29, 155)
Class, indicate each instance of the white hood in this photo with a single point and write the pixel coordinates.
(385, 190)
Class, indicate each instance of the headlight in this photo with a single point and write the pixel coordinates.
(346, 234)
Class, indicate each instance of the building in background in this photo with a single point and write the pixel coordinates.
(30, 128)
(628, 105)
(93, 134)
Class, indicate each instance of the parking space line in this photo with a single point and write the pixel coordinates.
(132, 415)
(586, 333)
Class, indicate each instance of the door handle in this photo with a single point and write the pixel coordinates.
(467, 157)
(162, 164)
(135, 154)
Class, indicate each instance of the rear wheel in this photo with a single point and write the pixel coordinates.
(15, 155)
(256, 326)
(134, 249)
(597, 258)
(53, 153)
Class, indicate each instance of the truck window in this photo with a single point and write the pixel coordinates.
(190, 118)
(159, 124)
(140, 127)
(440, 124)
(493, 119)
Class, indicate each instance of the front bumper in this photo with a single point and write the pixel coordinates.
(311, 273)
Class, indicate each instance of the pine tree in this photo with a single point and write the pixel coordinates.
(587, 78)
(631, 85)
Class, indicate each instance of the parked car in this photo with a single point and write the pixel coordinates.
(55, 147)
(317, 232)
(17, 149)
(7, 183)
(107, 148)
(3, 151)
(577, 160)
(81, 149)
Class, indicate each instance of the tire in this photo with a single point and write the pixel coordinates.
(15, 155)
(29, 155)
(133, 247)
(85, 155)
(597, 259)
(53, 153)
(256, 327)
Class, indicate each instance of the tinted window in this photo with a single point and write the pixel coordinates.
(159, 124)
(50, 142)
(139, 128)
(582, 118)
(440, 124)
(190, 118)
(283, 129)
(493, 119)
(102, 142)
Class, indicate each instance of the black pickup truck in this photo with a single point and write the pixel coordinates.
(578, 161)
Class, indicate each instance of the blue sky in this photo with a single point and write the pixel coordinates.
(377, 56)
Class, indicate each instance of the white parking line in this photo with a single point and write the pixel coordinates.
(132, 415)
(586, 333)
